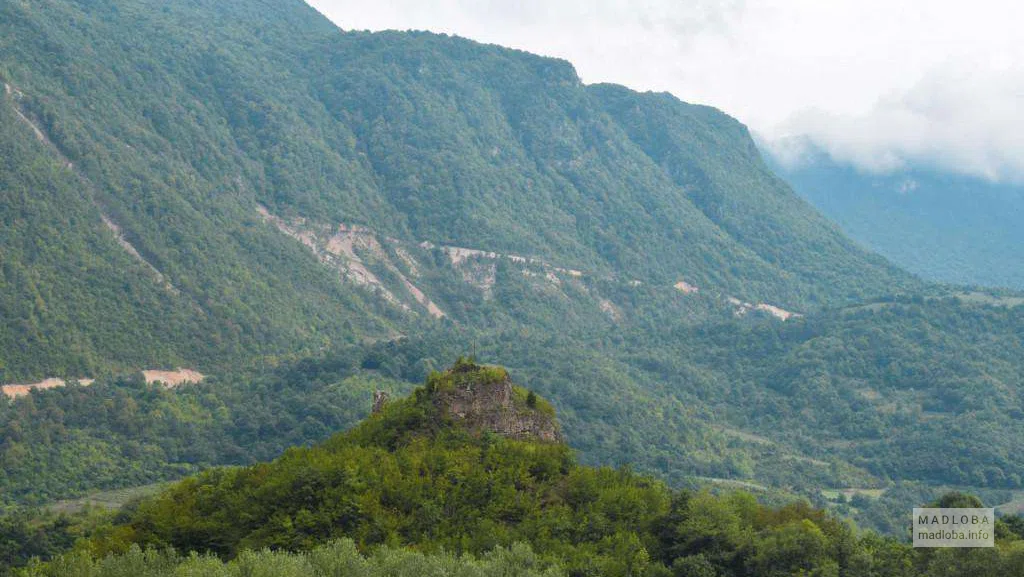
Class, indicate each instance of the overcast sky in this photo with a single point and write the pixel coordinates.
(876, 83)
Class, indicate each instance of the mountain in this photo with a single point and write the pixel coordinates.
(713, 159)
(938, 224)
(180, 143)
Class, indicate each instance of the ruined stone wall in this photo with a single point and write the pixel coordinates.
(492, 407)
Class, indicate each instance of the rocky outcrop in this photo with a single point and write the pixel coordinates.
(484, 399)
(380, 398)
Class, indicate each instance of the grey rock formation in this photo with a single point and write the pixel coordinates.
(380, 398)
(492, 406)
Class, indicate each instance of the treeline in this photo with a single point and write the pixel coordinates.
(335, 559)
(872, 557)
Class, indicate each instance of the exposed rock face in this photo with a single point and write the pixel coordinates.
(380, 398)
(492, 405)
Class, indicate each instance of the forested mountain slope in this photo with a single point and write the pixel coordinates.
(712, 158)
(938, 224)
(121, 250)
(174, 123)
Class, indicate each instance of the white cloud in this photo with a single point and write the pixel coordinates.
(877, 83)
(965, 120)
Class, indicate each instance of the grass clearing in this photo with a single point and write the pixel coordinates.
(110, 500)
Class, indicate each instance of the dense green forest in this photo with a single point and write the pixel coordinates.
(123, 432)
(416, 475)
(330, 560)
(876, 397)
(174, 122)
(307, 215)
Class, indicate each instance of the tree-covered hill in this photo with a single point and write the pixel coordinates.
(420, 474)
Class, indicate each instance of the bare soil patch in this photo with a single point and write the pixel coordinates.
(171, 379)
